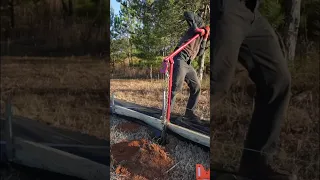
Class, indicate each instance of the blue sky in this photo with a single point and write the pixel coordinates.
(116, 6)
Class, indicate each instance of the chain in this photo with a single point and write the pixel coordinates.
(264, 153)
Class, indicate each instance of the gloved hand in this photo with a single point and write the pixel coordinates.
(201, 31)
(207, 32)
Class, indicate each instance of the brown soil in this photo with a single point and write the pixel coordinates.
(140, 160)
(129, 127)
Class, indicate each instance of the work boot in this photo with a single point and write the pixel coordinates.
(189, 115)
(266, 172)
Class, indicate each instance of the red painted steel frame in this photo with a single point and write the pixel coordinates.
(171, 61)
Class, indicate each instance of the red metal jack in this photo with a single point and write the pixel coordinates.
(169, 59)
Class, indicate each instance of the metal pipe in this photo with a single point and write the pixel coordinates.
(157, 123)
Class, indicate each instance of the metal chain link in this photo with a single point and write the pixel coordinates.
(262, 153)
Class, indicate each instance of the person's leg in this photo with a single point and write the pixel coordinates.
(194, 84)
(180, 68)
(230, 21)
(268, 69)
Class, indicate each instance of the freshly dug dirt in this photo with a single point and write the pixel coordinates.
(129, 127)
(140, 160)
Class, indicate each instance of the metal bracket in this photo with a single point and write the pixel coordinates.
(163, 135)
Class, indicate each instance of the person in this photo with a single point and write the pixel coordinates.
(182, 68)
(241, 33)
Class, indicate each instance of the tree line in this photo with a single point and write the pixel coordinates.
(75, 26)
(151, 29)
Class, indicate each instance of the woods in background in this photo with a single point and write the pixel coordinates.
(297, 24)
(73, 27)
(146, 31)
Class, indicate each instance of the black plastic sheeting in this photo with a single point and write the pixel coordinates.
(44, 134)
(203, 128)
(12, 170)
(154, 112)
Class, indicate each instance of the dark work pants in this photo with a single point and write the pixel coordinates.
(184, 72)
(239, 32)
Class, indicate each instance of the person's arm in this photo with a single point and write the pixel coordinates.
(190, 18)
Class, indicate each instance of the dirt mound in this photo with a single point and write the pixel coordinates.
(140, 160)
(129, 127)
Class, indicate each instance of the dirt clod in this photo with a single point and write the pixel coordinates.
(140, 160)
(123, 171)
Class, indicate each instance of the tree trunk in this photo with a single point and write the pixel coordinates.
(202, 58)
(292, 12)
(113, 64)
(67, 11)
(88, 34)
(151, 72)
(130, 50)
(70, 12)
(11, 5)
(201, 68)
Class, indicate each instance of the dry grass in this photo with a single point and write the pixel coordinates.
(150, 93)
(68, 92)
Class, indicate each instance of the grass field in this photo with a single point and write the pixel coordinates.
(66, 92)
(149, 93)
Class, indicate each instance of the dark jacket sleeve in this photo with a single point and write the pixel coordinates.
(202, 48)
(190, 18)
